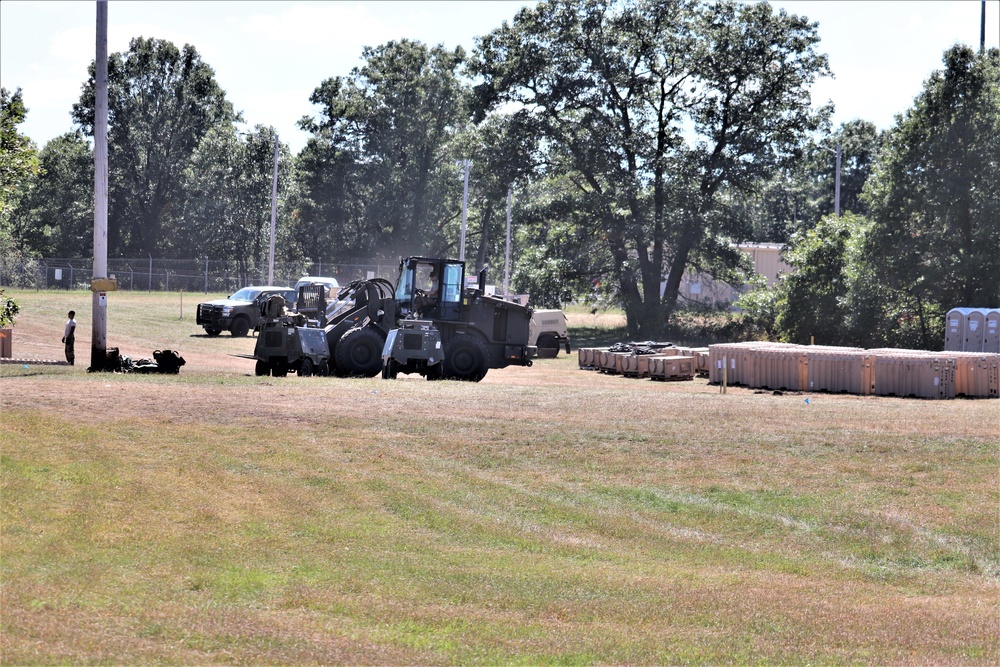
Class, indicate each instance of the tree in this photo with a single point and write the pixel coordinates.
(18, 155)
(797, 196)
(228, 185)
(56, 218)
(653, 108)
(376, 167)
(9, 308)
(811, 298)
(934, 198)
(161, 102)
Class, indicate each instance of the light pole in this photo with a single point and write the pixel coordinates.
(836, 187)
(274, 213)
(506, 260)
(465, 206)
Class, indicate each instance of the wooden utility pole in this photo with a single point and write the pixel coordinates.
(99, 284)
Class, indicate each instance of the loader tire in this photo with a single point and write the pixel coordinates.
(465, 358)
(359, 353)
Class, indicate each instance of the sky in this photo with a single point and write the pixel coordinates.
(270, 56)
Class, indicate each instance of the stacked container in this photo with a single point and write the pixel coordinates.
(783, 368)
(671, 368)
(588, 357)
(841, 370)
(914, 373)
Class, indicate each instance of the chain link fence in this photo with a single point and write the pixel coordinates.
(190, 275)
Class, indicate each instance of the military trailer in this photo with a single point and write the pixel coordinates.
(286, 344)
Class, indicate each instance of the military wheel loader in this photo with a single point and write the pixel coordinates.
(449, 331)
(428, 323)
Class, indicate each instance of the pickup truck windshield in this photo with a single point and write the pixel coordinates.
(245, 294)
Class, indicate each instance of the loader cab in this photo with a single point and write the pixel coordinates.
(430, 289)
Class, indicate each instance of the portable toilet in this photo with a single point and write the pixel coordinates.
(975, 322)
(991, 331)
(954, 331)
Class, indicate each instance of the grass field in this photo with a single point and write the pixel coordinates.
(547, 515)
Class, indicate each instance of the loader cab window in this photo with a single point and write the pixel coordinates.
(430, 290)
(451, 291)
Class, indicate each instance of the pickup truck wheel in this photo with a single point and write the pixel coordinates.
(548, 346)
(359, 352)
(240, 327)
(262, 368)
(465, 358)
(306, 368)
(213, 332)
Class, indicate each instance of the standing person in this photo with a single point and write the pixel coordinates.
(69, 337)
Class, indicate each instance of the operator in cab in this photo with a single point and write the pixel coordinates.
(425, 296)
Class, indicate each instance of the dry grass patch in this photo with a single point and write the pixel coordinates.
(546, 515)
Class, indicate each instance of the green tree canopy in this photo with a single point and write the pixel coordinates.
(56, 218)
(161, 102)
(228, 196)
(653, 108)
(18, 154)
(377, 168)
(934, 197)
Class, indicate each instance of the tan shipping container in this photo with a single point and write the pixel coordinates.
(911, 373)
(671, 368)
(733, 356)
(637, 365)
(589, 357)
(778, 368)
(976, 375)
(841, 371)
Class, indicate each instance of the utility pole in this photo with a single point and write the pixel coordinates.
(506, 261)
(274, 213)
(836, 205)
(836, 187)
(99, 283)
(465, 207)
(982, 30)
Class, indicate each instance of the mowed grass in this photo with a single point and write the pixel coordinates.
(544, 516)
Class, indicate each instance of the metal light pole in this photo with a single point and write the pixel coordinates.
(465, 206)
(98, 285)
(506, 261)
(274, 213)
(836, 205)
(836, 190)
(982, 30)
